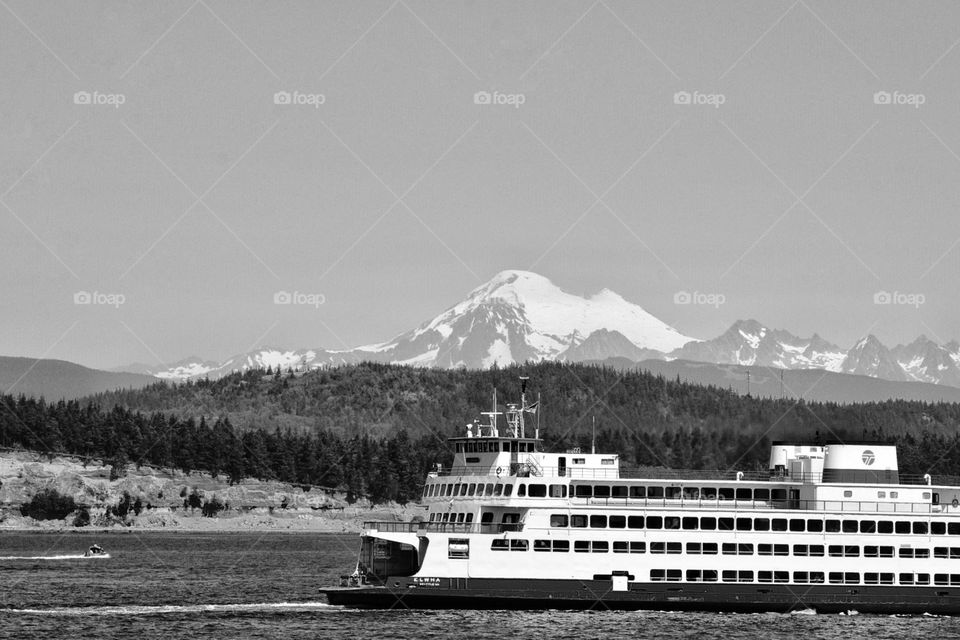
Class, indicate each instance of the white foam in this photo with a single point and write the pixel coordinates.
(173, 608)
(75, 556)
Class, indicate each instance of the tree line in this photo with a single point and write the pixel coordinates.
(375, 430)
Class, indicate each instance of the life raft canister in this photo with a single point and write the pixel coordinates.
(500, 470)
(955, 503)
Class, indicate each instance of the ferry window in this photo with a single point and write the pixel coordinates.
(938, 528)
(954, 579)
(835, 550)
(693, 548)
(906, 578)
(955, 552)
(500, 545)
(463, 489)
(761, 494)
(779, 494)
(694, 575)
(710, 549)
(744, 576)
(674, 547)
(801, 577)
(563, 546)
(920, 528)
(674, 575)
(671, 523)
(621, 546)
(461, 517)
(635, 522)
(601, 491)
(725, 493)
(886, 578)
(607, 461)
(744, 524)
(953, 528)
(871, 578)
(598, 522)
(445, 517)
(489, 491)
(833, 526)
(941, 579)
(498, 489)
(901, 526)
(538, 490)
(851, 551)
(708, 524)
(744, 494)
(638, 547)
(618, 491)
(708, 493)
(618, 522)
(849, 526)
(764, 576)
(690, 523)
(764, 549)
(583, 491)
(519, 545)
(886, 552)
(779, 524)
(871, 551)
(868, 526)
(725, 524)
(797, 524)
(921, 553)
(836, 577)
(507, 490)
(816, 550)
(521, 490)
(881, 494)
(459, 447)
(940, 552)
(729, 575)
(658, 547)
(894, 495)
(658, 575)
(884, 526)
(506, 446)
(473, 460)
(654, 492)
(851, 577)
(781, 549)
(761, 524)
(579, 521)
(579, 461)
(559, 520)
(638, 492)
(472, 490)
(458, 548)
(799, 549)
(926, 495)
(600, 546)
(433, 517)
(486, 517)
(558, 491)
(674, 493)
(816, 577)
(581, 546)
(814, 526)
(848, 494)
(654, 522)
(729, 548)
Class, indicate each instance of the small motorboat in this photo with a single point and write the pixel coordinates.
(96, 551)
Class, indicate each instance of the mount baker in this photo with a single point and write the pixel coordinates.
(521, 316)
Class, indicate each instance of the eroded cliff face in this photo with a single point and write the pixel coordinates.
(173, 499)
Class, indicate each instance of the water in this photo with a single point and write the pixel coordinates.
(248, 585)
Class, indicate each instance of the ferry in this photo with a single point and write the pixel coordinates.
(829, 527)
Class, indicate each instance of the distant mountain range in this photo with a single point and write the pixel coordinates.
(521, 316)
(58, 379)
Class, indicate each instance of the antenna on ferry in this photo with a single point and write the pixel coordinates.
(539, 411)
(748, 383)
(593, 440)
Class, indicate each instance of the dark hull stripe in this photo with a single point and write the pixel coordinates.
(597, 594)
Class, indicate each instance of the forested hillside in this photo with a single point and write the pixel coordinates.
(376, 429)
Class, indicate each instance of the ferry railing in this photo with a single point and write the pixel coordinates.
(443, 527)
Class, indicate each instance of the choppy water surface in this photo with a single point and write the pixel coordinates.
(171, 585)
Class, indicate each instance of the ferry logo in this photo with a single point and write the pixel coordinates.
(868, 457)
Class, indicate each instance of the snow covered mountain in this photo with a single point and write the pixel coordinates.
(748, 342)
(520, 316)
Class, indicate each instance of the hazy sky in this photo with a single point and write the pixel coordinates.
(791, 189)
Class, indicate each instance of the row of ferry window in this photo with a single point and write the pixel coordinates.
(803, 577)
(727, 548)
(697, 493)
(490, 489)
(466, 518)
(797, 525)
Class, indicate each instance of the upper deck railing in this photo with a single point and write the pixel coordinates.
(685, 476)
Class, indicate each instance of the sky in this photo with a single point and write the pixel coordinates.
(167, 170)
